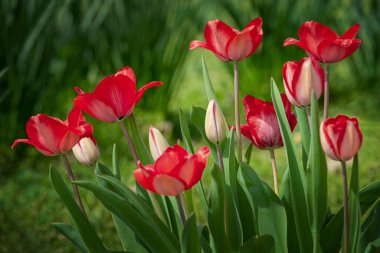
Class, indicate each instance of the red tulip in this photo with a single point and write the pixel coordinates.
(229, 44)
(300, 79)
(52, 136)
(341, 137)
(174, 171)
(114, 97)
(263, 129)
(324, 44)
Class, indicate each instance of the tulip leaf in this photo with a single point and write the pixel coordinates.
(271, 215)
(204, 239)
(370, 236)
(297, 175)
(190, 236)
(209, 89)
(318, 176)
(246, 214)
(248, 154)
(234, 230)
(354, 207)
(71, 234)
(216, 216)
(262, 244)
(89, 236)
(303, 124)
(230, 164)
(115, 163)
(125, 233)
(155, 236)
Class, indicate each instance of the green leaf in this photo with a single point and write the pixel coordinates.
(125, 233)
(115, 163)
(354, 207)
(89, 236)
(246, 214)
(318, 175)
(230, 164)
(297, 175)
(71, 234)
(303, 124)
(234, 230)
(368, 195)
(259, 244)
(209, 89)
(216, 211)
(248, 154)
(156, 236)
(205, 238)
(190, 236)
(271, 215)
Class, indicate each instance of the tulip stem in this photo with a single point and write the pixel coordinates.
(237, 110)
(308, 116)
(129, 141)
(72, 179)
(274, 168)
(220, 157)
(180, 208)
(346, 224)
(326, 88)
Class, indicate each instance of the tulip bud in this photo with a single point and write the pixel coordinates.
(300, 79)
(215, 126)
(86, 151)
(341, 137)
(157, 143)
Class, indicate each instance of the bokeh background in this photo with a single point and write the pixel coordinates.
(48, 47)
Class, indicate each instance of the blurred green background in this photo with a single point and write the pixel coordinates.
(48, 47)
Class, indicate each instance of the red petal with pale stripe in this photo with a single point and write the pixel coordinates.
(95, 106)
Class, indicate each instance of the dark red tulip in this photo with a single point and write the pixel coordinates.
(52, 136)
(229, 44)
(324, 44)
(301, 78)
(114, 97)
(262, 128)
(341, 137)
(174, 171)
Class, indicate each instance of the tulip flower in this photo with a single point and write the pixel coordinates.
(215, 126)
(114, 97)
(52, 136)
(301, 78)
(341, 137)
(157, 143)
(229, 44)
(327, 46)
(174, 171)
(262, 128)
(86, 151)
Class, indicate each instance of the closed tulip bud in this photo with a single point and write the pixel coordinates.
(301, 78)
(215, 126)
(341, 137)
(157, 143)
(86, 151)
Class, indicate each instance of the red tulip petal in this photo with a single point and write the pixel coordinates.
(141, 92)
(291, 41)
(288, 71)
(196, 43)
(170, 159)
(336, 50)
(245, 131)
(95, 106)
(68, 141)
(186, 170)
(244, 43)
(257, 22)
(202, 155)
(251, 103)
(312, 34)
(144, 179)
(217, 35)
(128, 72)
(79, 90)
(77, 123)
(351, 33)
(118, 92)
(167, 185)
(38, 147)
(47, 132)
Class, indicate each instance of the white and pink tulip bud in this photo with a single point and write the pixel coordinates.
(215, 125)
(86, 151)
(157, 143)
(301, 78)
(341, 137)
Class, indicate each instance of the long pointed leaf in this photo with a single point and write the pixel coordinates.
(72, 234)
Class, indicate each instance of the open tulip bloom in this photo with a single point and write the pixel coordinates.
(174, 171)
(114, 97)
(168, 209)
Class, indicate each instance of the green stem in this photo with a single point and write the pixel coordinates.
(180, 208)
(345, 201)
(237, 110)
(274, 168)
(220, 157)
(129, 141)
(72, 179)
